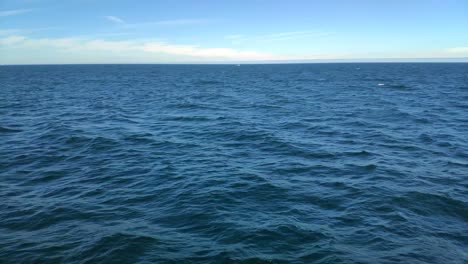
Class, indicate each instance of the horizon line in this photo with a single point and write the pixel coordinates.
(266, 62)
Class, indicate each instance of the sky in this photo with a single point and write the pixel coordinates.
(217, 31)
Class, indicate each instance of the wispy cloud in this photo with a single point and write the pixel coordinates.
(12, 40)
(96, 49)
(235, 37)
(295, 35)
(149, 47)
(459, 50)
(238, 38)
(175, 22)
(22, 31)
(8, 31)
(14, 12)
(115, 19)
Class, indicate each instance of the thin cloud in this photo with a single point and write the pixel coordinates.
(294, 35)
(152, 50)
(174, 22)
(178, 22)
(236, 39)
(12, 31)
(149, 47)
(459, 50)
(8, 31)
(14, 12)
(12, 40)
(115, 19)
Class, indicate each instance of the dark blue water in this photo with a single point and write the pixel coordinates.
(313, 163)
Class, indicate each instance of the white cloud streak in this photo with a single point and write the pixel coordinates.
(23, 31)
(234, 37)
(8, 31)
(115, 20)
(14, 12)
(459, 50)
(237, 39)
(149, 47)
(75, 49)
(175, 22)
(11, 40)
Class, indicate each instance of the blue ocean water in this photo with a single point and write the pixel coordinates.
(299, 163)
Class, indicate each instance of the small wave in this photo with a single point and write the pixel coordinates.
(306, 80)
(458, 163)
(278, 80)
(268, 106)
(203, 82)
(428, 204)
(101, 144)
(362, 153)
(140, 138)
(124, 247)
(368, 167)
(422, 120)
(47, 176)
(294, 125)
(395, 86)
(187, 118)
(9, 130)
(190, 105)
(72, 140)
(400, 87)
(426, 138)
(161, 164)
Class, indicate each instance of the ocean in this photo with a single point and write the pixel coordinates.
(291, 163)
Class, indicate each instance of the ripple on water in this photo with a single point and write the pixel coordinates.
(300, 163)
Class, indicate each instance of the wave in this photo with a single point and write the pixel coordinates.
(9, 130)
(306, 163)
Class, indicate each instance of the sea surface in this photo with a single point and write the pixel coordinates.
(298, 163)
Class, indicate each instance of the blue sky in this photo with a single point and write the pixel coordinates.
(144, 31)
